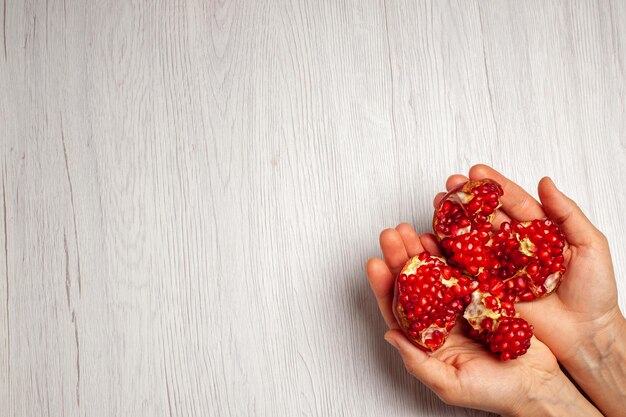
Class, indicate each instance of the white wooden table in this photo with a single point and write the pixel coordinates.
(190, 189)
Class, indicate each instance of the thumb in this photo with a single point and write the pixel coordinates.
(578, 230)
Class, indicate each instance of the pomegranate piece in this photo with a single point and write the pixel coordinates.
(511, 338)
(484, 311)
(428, 296)
(526, 256)
(488, 271)
(462, 223)
(493, 322)
(530, 256)
(467, 207)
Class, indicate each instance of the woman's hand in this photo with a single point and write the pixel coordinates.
(581, 322)
(463, 372)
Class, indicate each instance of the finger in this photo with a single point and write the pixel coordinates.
(578, 230)
(429, 243)
(549, 332)
(394, 251)
(454, 180)
(437, 375)
(516, 202)
(382, 281)
(411, 239)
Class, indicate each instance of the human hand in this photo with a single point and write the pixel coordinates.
(581, 322)
(462, 372)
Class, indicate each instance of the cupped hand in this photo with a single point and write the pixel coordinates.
(462, 372)
(586, 302)
(581, 321)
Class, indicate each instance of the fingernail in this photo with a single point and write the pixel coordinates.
(392, 342)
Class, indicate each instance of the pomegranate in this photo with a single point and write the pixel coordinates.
(511, 338)
(462, 223)
(526, 256)
(530, 258)
(493, 321)
(467, 207)
(428, 296)
(488, 271)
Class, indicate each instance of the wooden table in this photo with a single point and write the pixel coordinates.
(190, 189)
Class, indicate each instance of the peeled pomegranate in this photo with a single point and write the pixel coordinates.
(530, 258)
(493, 321)
(428, 297)
(462, 223)
(526, 256)
(485, 273)
(467, 207)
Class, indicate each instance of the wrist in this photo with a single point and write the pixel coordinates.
(599, 365)
(598, 342)
(552, 395)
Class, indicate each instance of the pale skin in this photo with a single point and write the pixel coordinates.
(580, 324)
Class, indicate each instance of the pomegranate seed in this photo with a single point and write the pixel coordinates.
(491, 302)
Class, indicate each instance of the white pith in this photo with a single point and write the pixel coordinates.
(551, 282)
(462, 197)
(463, 230)
(449, 282)
(415, 262)
(412, 265)
(476, 311)
(427, 333)
(527, 247)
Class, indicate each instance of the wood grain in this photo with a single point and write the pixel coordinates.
(190, 189)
